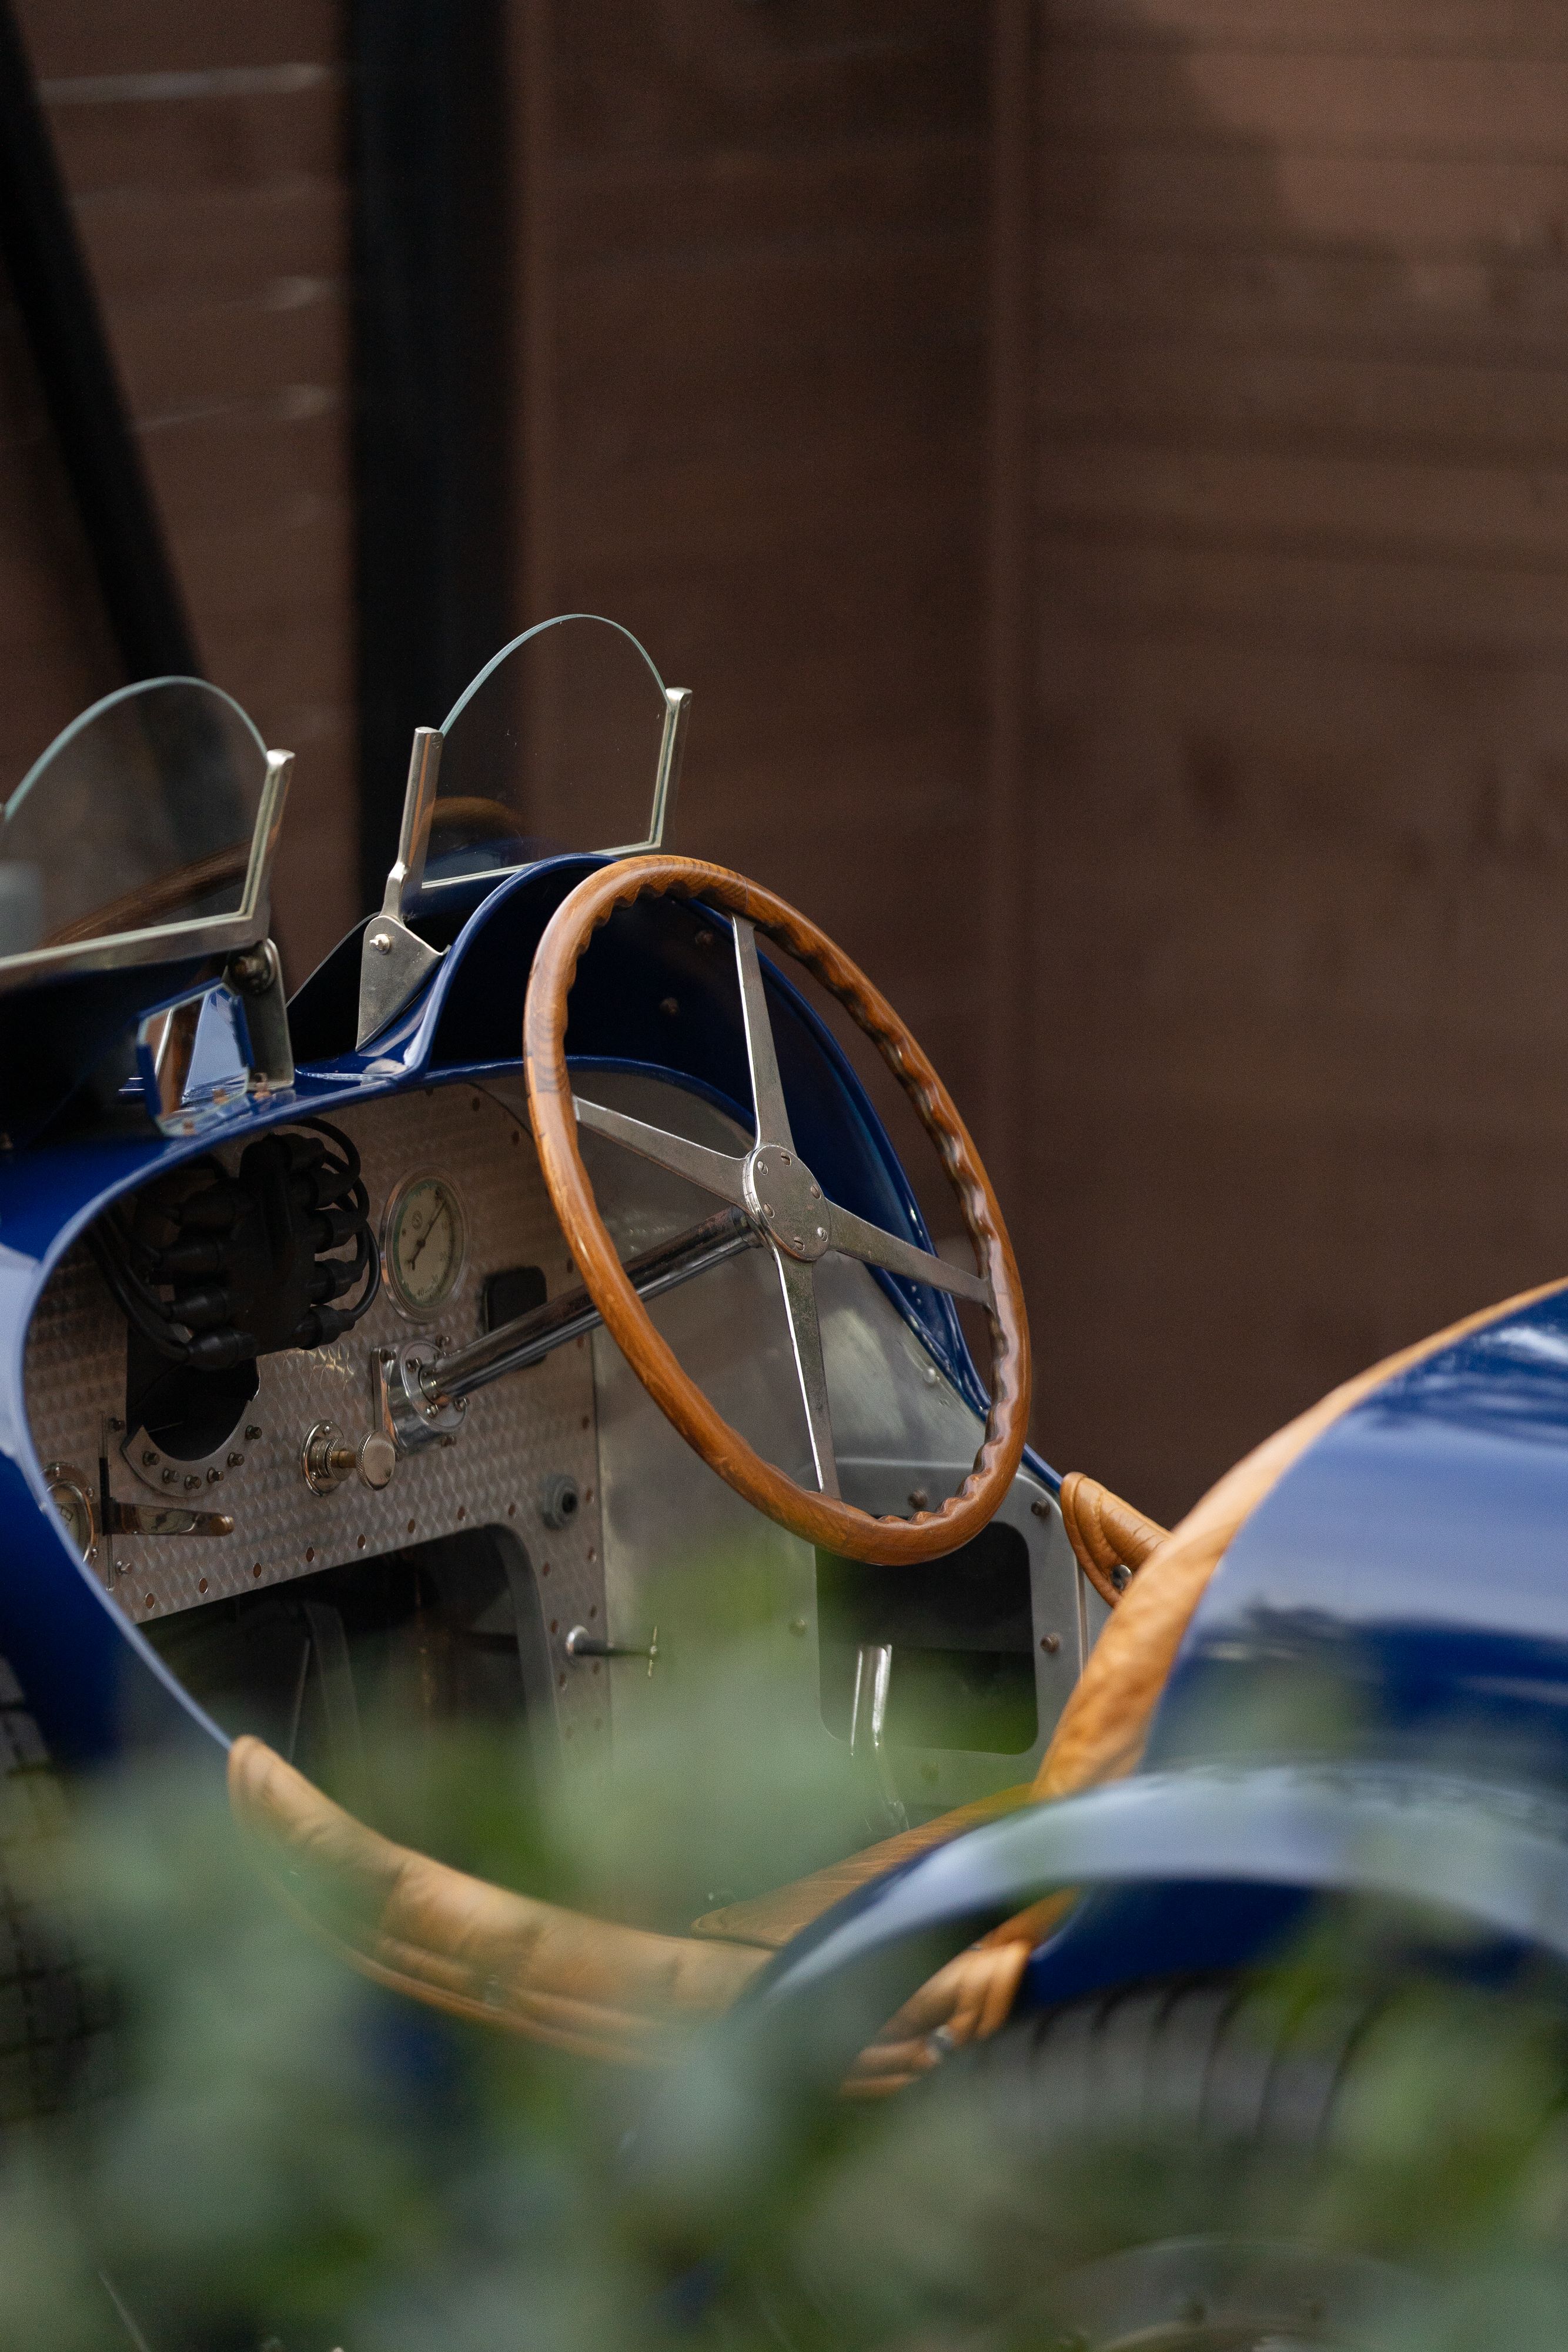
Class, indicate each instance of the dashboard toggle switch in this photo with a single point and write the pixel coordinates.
(328, 1457)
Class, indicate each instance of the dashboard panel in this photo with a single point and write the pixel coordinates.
(522, 1435)
(470, 1239)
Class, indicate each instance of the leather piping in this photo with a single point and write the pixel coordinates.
(475, 1950)
(1105, 1533)
(773, 1919)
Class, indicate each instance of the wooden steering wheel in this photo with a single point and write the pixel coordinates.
(778, 1197)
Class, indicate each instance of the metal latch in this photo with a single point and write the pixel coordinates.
(581, 1644)
(884, 1807)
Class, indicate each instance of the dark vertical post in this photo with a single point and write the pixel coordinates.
(80, 387)
(433, 289)
(1007, 598)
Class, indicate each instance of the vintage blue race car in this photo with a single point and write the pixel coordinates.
(409, 1335)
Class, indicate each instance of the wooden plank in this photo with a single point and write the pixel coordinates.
(1398, 1080)
(694, 74)
(300, 692)
(798, 420)
(290, 573)
(214, 215)
(188, 143)
(1470, 309)
(763, 675)
(1383, 213)
(1303, 1062)
(251, 479)
(1300, 640)
(1198, 750)
(765, 339)
(1140, 585)
(1171, 388)
(131, 37)
(1500, 514)
(787, 307)
(749, 637)
(52, 673)
(858, 785)
(781, 502)
(314, 894)
(212, 241)
(741, 405)
(1400, 29)
(1490, 108)
(855, 195)
(293, 572)
(1267, 1262)
(1010, 425)
(177, 358)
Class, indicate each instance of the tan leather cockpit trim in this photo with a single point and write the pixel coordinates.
(770, 1920)
(620, 1994)
(475, 1950)
(1106, 1721)
(1105, 1533)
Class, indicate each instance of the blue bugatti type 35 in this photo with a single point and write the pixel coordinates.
(404, 1317)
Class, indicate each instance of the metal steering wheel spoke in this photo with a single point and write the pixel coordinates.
(798, 1281)
(715, 1171)
(855, 1238)
(767, 1092)
(782, 1203)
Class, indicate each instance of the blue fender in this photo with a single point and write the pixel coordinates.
(1491, 1857)
(1490, 1860)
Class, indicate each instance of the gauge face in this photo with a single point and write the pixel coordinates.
(71, 1498)
(422, 1244)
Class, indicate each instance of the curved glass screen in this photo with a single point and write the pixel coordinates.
(139, 817)
(560, 742)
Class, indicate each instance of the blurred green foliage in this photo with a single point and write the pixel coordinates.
(267, 2150)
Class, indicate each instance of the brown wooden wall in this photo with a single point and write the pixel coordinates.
(204, 150)
(754, 421)
(1298, 802)
(1103, 467)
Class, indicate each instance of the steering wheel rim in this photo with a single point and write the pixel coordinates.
(776, 1192)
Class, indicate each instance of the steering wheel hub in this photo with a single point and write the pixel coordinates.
(785, 1200)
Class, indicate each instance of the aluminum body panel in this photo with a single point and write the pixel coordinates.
(517, 1436)
(898, 1421)
(93, 1682)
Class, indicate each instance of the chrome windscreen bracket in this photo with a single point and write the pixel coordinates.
(202, 1057)
(256, 973)
(672, 750)
(394, 962)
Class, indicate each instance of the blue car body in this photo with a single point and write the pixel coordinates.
(95, 1684)
(1392, 1618)
(1371, 1698)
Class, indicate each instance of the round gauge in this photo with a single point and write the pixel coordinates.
(422, 1244)
(68, 1494)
